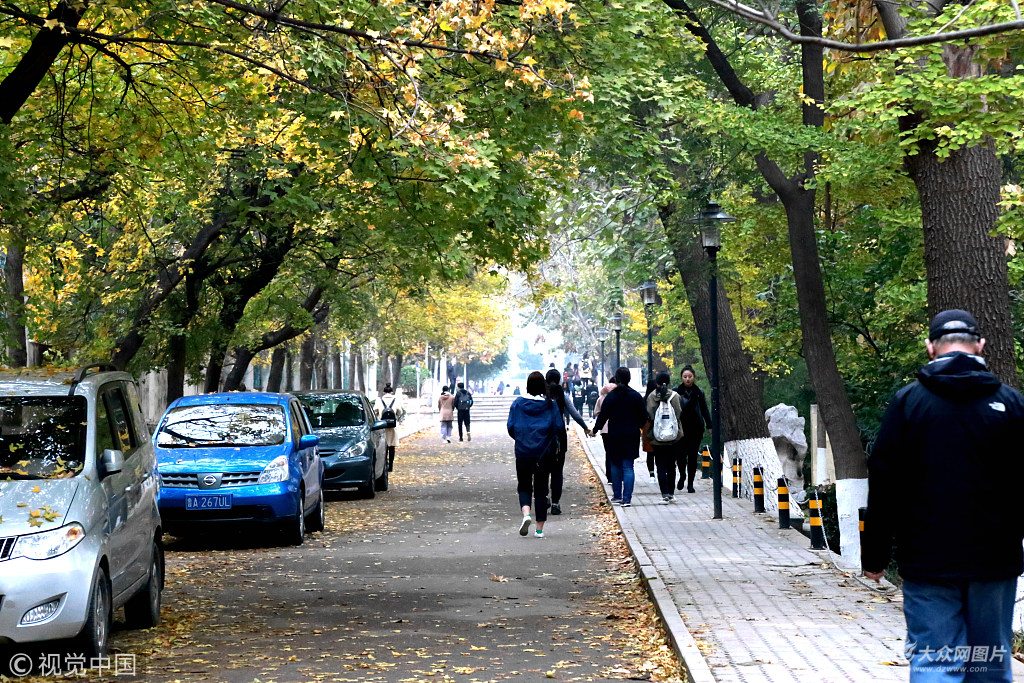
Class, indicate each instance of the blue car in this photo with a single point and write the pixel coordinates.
(238, 458)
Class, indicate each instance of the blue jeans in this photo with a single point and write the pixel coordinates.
(621, 471)
(959, 631)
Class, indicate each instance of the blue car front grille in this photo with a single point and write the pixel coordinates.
(190, 480)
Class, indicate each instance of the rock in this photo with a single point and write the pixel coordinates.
(786, 428)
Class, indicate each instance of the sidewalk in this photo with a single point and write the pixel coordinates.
(761, 605)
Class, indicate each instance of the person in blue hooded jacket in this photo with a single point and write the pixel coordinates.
(533, 422)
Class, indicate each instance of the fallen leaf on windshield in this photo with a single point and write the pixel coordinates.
(23, 505)
(35, 489)
(499, 579)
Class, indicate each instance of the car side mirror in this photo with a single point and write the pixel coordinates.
(112, 461)
(308, 441)
(383, 424)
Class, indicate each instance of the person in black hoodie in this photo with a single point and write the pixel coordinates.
(694, 420)
(944, 444)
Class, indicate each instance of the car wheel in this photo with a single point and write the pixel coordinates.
(94, 639)
(295, 528)
(318, 518)
(143, 609)
(382, 481)
(369, 489)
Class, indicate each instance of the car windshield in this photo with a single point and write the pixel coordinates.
(224, 424)
(42, 437)
(338, 410)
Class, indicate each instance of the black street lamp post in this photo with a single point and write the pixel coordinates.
(649, 295)
(710, 221)
(617, 326)
(602, 335)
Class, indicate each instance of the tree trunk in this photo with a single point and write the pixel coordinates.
(396, 370)
(22, 81)
(274, 377)
(14, 281)
(176, 348)
(307, 352)
(336, 367)
(965, 263)
(383, 369)
(833, 402)
(740, 405)
(351, 367)
(360, 377)
(321, 360)
(214, 369)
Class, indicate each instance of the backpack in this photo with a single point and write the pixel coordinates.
(389, 410)
(465, 400)
(666, 424)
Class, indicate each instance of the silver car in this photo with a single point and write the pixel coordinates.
(79, 527)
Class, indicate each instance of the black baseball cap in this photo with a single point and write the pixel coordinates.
(953, 321)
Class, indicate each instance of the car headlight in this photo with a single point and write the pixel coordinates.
(47, 544)
(276, 471)
(355, 450)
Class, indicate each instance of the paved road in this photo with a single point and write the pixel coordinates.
(429, 581)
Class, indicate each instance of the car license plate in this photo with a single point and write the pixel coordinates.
(217, 501)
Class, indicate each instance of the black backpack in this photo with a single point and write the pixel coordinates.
(389, 410)
(465, 400)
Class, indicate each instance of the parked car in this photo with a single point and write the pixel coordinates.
(351, 440)
(80, 534)
(238, 458)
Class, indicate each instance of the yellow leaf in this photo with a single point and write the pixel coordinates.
(51, 24)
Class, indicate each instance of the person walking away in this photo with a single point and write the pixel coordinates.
(664, 408)
(645, 440)
(625, 413)
(694, 421)
(566, 410)
(463, 402)
(501, 388)
(534, 423)
(386, 406)
(932, 495)
(516, 392)
(446, 404)
(579, 396)
(586, 373)
(604, 430)
(593, 393)
(453, 375)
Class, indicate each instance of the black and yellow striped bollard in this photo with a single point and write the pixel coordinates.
(735, 478)
(758, 490)
(817, 533)
(739, 477)
(861, 514)
(705, 464)
(783, 504)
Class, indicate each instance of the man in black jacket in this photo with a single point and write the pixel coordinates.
(626, 414)
(944, 444)
(463, 402)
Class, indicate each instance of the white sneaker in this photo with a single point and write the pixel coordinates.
(665, 500)
(524, 528)
(539, 533)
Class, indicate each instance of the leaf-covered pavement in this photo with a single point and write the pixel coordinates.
(430, 581)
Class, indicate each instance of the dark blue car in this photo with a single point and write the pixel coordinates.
(239, 458)
(351, 440)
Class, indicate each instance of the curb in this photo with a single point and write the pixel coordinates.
(696, 667)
